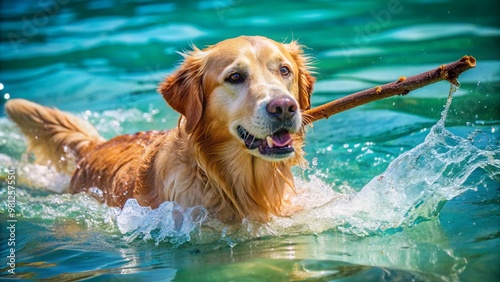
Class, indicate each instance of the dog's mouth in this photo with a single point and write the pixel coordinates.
(278, 144)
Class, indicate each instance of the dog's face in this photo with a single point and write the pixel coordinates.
(251, 88)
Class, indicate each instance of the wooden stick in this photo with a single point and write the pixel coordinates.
(402, 86)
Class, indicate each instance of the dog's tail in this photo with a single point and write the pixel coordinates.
(56, 138)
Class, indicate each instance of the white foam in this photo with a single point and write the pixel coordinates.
(169, 222)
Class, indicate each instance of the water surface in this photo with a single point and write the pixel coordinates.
(395, 191)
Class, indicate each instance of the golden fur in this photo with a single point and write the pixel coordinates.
(223, 94)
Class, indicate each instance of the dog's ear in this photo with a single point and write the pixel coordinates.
(306, 80)
(183, 90)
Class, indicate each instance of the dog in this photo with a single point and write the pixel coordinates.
(241, 104)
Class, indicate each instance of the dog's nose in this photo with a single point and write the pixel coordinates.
(283, 108)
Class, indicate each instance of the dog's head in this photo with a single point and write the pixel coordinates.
(250, 88)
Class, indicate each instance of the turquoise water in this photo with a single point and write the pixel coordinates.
(396, 190)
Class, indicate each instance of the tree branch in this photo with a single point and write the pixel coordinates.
(402, 86)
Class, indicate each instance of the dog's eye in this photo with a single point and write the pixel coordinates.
(284, 71)
(235, 78)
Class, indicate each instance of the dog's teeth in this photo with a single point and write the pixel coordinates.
(270, 142)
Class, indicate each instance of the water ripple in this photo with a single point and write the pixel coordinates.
(438, 31)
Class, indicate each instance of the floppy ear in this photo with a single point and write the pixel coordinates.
(183, 90)
(306, 80)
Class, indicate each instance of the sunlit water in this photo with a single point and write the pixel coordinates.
(402, 189)
(410, 191)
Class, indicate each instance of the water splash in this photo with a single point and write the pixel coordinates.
(169, 222)
(412, 187)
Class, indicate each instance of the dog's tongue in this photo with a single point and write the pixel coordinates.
(282, 138)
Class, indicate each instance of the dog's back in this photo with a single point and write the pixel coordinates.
(121, 168)
(72, 145)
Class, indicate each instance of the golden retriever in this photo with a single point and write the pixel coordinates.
(239, 134)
